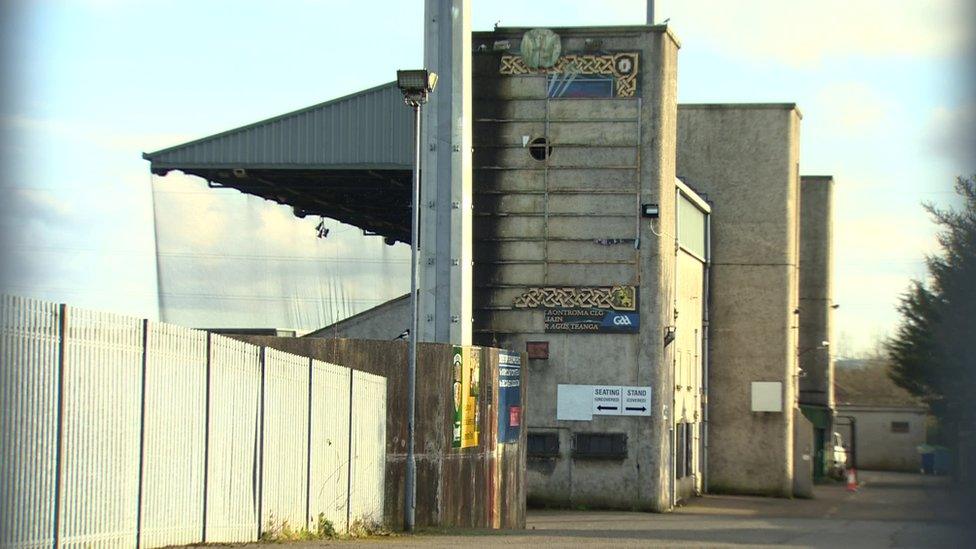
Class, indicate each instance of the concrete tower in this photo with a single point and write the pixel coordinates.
(445, 196)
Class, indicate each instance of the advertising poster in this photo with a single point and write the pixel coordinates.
(466, 373)
(456, 383)
(472, 381)
(509, 396)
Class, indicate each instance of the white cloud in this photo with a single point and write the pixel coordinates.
(44, 202)
(853, 109)
(88, 134)
(805, 32)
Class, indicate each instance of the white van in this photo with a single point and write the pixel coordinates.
(838, 456)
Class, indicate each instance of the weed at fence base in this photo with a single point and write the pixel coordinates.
(283, 531)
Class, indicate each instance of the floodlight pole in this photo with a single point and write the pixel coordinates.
(415, 85)
(410, 483)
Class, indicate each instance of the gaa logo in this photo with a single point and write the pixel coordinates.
(622, 320)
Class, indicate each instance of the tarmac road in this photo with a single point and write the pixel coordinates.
(889, 510)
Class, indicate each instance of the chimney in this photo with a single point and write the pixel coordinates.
(650, 12)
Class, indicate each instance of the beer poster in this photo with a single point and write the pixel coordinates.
(466, 387)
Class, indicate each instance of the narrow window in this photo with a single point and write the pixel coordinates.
(543, 445)
(600, 445)
(680, 455)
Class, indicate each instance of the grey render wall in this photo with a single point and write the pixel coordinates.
(745, 158)
(536, 225)
(878, 448)
(803, 457)
(816, 290)
(386, 321)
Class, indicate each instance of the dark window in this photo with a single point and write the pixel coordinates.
(899, 426)
(543, 444)
(540, 149)
(684, 450)
(579, 86)
(600, 445)
(680, 457)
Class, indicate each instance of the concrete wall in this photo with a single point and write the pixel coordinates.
(803, 456)
(537, 225)
(878, 448)
(745, 158)
(816, 290)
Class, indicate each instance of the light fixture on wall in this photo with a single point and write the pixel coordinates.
(650, 210)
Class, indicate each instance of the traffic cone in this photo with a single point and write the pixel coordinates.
(851, 480)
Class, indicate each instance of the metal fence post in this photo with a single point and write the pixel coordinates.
(142, 429)
(352, 376)
(264, 352)
(308, 454)
(206, 439)
(59, 455)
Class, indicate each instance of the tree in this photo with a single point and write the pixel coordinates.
(933, 353)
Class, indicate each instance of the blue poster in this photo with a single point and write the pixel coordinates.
(509, 396)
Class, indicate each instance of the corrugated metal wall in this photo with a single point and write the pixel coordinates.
(119, 432)
(101, 409)
(368, 448)
(284, 466)
(469, 488)
(371, 127)
(329, 465)
(234, 459)
(29, 351)
(175, 435)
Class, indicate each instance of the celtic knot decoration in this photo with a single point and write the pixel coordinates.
(622, 66)
(618, 298)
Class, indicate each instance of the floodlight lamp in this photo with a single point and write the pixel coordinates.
(416, 84)
(650, 210)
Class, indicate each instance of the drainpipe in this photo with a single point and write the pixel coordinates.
(705, 301)
(674, 394)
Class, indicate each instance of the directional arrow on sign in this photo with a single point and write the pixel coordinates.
(606, 407)
(641, 409)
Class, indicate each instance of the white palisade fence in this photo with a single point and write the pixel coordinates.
(122, 432)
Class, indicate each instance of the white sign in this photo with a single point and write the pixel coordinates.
(574, 402)
(637, 401)
(606, 400)
(582, 402)
(767, 396)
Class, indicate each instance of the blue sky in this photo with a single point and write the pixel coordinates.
(93, 83)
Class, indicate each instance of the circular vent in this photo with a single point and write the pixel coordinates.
(540, 149)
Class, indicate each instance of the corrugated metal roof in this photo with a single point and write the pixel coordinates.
(371, 129)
